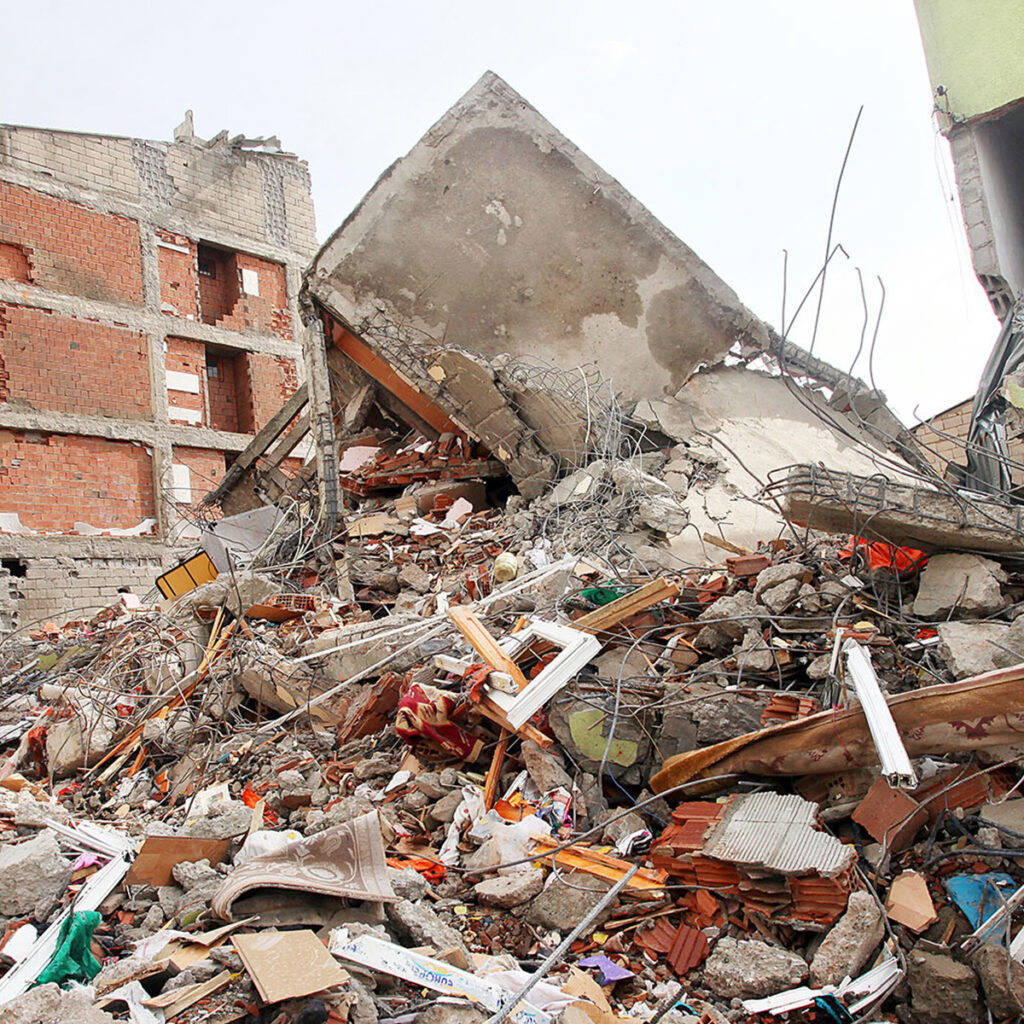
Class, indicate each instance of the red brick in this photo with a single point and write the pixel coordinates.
(71, 248)
(88, 479)
(68, 364)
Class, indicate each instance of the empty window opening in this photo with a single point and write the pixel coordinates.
(218, 283)
(15, 566)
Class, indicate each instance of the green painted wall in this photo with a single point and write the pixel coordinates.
(975, 50)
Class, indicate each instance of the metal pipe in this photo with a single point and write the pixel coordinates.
(514, 1000)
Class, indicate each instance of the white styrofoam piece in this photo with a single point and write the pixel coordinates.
(192, 416)
(181, 482)
(177, 380)
(250, 281)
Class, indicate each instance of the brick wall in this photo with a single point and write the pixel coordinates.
(14, 264)
(58, 587)
(263, 384)
(205, 469)
(220, 385)
(179, 295)
(55, 480)
(73, 249)
(67, 364)
(224, 300)
(956, 422)
(183, 356)
(268, 311)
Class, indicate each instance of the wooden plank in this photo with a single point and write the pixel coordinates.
(470, 626)
(609, 616)
(366, 359)
(725, 545)
(527, 732)
(494, 772)
(179, 1000)
(286, 445)
(593, 863)
(260, 443)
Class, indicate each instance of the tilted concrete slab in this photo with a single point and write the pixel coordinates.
(497, 234)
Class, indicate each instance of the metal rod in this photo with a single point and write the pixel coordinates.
(514, 1000)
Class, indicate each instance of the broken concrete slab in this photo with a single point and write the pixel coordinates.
(419, 925)
(79, 741)
(564, 903)
(590, 264)
(512, 890)
(942, 990)
(971, 648)
(852, 940)
(775, 575)
(963, 585)
(751, 969)
(727, 620)
(897, 512)
(1002, 980)
(30, 872)
(49, 1003)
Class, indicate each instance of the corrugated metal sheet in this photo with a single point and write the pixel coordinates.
(776, 831)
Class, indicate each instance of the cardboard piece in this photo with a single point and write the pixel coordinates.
(159, 855)
(181, 953)
(287, 965)
(174, 1002)
(593, 1005)
(909, 903)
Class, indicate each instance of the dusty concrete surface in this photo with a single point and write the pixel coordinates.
(750, 424)
(498, 234)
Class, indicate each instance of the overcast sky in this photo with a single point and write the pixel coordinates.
(728, 119)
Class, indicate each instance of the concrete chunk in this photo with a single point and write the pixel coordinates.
(31, 871)
(507, 891)
(853, 938)
(751, 969)
(942, 990)
(971, 648)
(967, 585)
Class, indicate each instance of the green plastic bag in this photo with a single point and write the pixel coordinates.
(73, 959)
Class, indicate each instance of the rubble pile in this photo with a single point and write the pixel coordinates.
(455, 753)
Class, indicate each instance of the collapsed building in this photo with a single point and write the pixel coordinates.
(149, 326)
(607, 658)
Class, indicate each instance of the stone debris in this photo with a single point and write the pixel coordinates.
(750, 968)
(522, 661)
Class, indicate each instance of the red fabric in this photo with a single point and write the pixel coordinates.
(885, 556)
(424, 718)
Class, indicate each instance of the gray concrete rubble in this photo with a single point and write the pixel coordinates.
(849, 944)
(512, 890)
(568, 633)
(972, 648)
(49, 1004)
(492, 143)
(32, 872)
(749, 968)
(959, 586)
(943, 991)
(1002, 980)
(567, 901)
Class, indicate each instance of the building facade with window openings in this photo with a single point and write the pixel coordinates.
(149, 326)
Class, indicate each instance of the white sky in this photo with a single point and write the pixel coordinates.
(728, 119)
